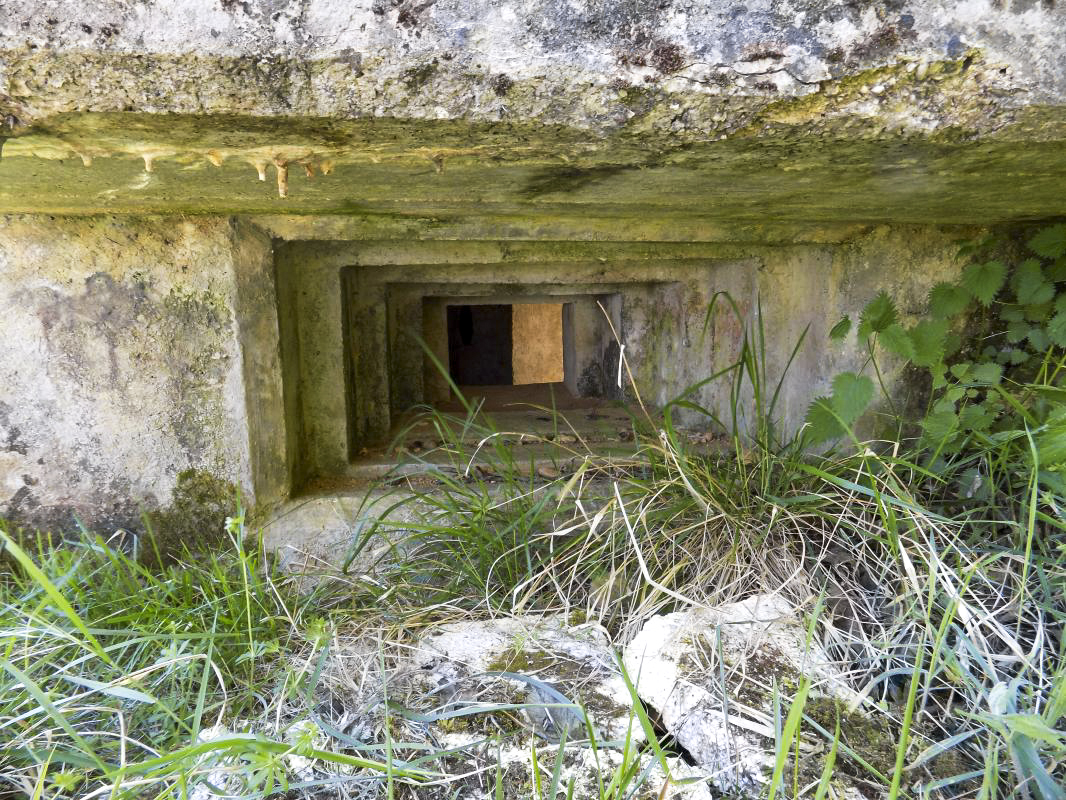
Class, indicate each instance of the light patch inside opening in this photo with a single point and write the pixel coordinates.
(505, 344)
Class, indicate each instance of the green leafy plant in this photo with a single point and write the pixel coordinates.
(993, 348)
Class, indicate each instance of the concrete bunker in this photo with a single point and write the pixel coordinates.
(278, 211)
(386, 340)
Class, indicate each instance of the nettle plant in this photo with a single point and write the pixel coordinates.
(993, 348)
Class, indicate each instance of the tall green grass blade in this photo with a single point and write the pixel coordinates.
(827, 768)
(789, 735)
(52, 592)
(53, 713)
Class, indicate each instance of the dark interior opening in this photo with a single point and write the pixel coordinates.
(480, 345)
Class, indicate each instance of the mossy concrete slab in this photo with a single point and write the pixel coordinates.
(465, 180)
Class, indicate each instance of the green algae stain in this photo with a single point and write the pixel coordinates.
(195, 520)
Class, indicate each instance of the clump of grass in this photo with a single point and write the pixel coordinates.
(215, 678)
(951, 628)
(110, 672)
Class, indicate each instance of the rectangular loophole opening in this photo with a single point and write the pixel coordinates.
(505, 344)
(508, 353)
(508, 347)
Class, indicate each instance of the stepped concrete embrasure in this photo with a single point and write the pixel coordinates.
(223, 219)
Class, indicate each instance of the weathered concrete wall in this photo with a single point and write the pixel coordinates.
(798, 152)
(643, 119)
(141, 347)
(816, 286)
(124, 363)
(256, 304)
(596, 64)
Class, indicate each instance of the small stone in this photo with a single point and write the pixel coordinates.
(765, 642)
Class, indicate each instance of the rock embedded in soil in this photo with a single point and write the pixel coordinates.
(710, 674)
(461, 663)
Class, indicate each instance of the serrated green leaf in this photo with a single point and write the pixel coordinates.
(1038, 338)
(1038, 313)
(841, 329)
(1011, 314)
(984, 281)
(947, 300)
(928, 338)
(895, 340)
(976, 418)
(987, 373)
(1016, 332)
(948, 401)
(944, 404)
(1057, 271)
(1056, 329)
(1060, 303)
(1029, 271)
(940, 425)
(952, 344)
(939, 373)
(1050, 242)
(851, 394)
(954, 395)
(961, 370)
(878, 315)
(1030, 285)
(822, 425)
(1018, 356)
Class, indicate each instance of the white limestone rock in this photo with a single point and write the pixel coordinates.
(583, 767)
(216, 775)
(710, 675)
(461, 663)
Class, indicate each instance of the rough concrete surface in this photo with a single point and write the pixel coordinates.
(415, 115)
(121, 365)
(587, 63)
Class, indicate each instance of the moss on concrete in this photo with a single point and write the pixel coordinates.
(565, 673)
(422, 175)
(873, 738)
(195, 520)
